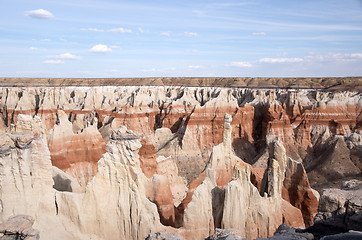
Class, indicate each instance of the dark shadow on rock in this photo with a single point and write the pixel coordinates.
(244, 150)
(320, 230)
(218, 196)
(61, 184)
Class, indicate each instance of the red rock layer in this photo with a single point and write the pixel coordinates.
(159, 192)
(292, 216)
(192, 187)
(207, 122)
(158, 188)
(78, 154)
(277, 123)
(297, 191)
(335, 117)
(148, 161)
(256, 176)
(77, 148)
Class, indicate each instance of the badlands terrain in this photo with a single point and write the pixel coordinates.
(185, 157)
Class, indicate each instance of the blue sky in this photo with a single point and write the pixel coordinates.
(93, 38)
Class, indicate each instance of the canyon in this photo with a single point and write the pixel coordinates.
(123, 158)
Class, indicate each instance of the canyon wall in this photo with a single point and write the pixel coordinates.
(120, 162)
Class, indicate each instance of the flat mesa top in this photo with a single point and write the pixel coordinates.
(327, 83)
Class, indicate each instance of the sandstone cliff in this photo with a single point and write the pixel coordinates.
(92, 161)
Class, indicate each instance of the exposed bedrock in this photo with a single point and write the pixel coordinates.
(121, 162)
(75, 153)
(113, 205)
(342, 208)
(18, 227)
(306, 121)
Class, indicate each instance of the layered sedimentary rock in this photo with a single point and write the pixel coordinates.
(304, 119)
(75, 153)
(297, 191)
(117, 190)
(258, 213)
(121, 162)
(112, 206)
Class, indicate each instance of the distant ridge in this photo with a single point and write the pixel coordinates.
(330, 83)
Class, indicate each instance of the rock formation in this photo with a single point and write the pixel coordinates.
(305, 120)
(75, 153)
(285, 232)
(125, 206)
(27, 187)
(164, 235)
(297, 191)
(342, 208)
(113, 162)
(257, 214)
(225, 234)
(351, 235)
(19, 227)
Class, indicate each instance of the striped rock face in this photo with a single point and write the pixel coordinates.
(75, 153)
(184, 131)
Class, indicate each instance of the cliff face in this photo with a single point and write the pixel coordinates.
(188, 157)
(186, 123)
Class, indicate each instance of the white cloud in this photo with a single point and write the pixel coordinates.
(101, 48)
(141, 30)
(161, 70)
(281, 60)
(92, 29)
(191, 34)
(120, 30)
(68, 56)
(195, 66)
(39, 14)
(33, 48)
(316, 57)
(113, 30)
(52, 61)
(240, 64)
(166, 33)
(356, 55)
(258, 34)
(348, 57)
(185, 34)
